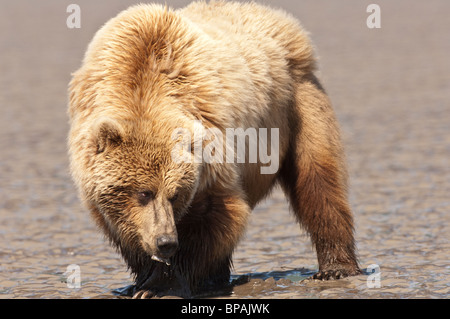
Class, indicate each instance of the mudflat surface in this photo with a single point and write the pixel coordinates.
(391, 91)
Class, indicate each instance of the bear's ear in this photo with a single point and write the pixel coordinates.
(108, 133)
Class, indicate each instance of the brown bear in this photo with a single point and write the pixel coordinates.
(152, 71)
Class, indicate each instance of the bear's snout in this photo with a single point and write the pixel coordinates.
(167, 245)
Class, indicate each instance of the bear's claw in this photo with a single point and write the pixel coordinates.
(335, 274)
(144, 294)
(328, 275)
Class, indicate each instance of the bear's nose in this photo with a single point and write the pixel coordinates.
(167, 245)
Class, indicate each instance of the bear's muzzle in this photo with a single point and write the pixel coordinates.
(158, 231)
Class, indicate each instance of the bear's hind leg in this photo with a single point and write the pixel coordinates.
(313, 176)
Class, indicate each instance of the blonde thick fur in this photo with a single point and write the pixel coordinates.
(152, 70)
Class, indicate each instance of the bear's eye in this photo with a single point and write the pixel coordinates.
(145, 197)
(174, 198)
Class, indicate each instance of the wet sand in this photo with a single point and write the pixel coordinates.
(391, 91)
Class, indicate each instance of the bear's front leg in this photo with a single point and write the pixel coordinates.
(208, 234)
(157, 279)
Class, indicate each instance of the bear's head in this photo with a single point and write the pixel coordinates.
(138, 191)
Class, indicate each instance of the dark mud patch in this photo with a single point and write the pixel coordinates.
(260, 284)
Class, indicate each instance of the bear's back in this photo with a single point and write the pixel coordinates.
(259, 24)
